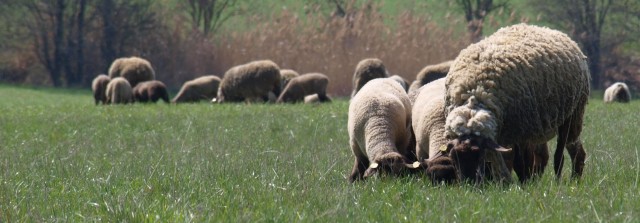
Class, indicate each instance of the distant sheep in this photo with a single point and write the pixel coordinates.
(250, 82)
(303, 85)
(366, 70)
(150, 91)
(119, 91)
(201, 88)
(401, 81)
(522, 85)
(314, 98)
(617, 92)
(287, 75)
(134, 69)
(379, 126)
(99, 87)
(426, 75)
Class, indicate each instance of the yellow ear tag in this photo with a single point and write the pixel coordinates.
(443, 148)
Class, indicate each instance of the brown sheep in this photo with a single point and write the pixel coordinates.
(134, 69)
(201, 88)
(427, 75)
(99, 87)
(150, 91)
(366, 70)
(250, 82)
(287, 75)
(303, 85)
(119, 91)
(402, 81)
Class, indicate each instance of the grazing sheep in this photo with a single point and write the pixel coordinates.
(379, 126)
(367, 70)
(287, 75)
(201, 88)
(529, 160)
(402, 81)
(426, 75)
(314, 98)
(150, 91)
(617, 92)
(303, 85)
(522, 85)
(250, 82)
(99, 87)
(119, 91)
(134, 69)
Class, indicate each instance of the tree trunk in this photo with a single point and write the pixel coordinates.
(109, 33)
(58, 48)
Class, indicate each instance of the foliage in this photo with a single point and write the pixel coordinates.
(65, 159)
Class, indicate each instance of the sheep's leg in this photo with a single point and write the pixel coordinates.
(519, 163)
(360, 165)
(578, 156)
(540, 159)
(558, 157)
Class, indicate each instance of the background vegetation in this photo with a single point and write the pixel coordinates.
(65, 159)
(68, 42)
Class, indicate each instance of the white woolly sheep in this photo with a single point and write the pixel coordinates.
(522, 85)
(617, 92)
(250, 82)
(201, 88)
(150, 91)
(119, 91)
(366, 70)
(379, 126)
(99, 87)
(303, 85)
(134, 69)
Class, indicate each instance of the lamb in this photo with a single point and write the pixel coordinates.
(150, 91)
(379, 126)
(134, 69)
(428, 74)
(303, 85)
(250, 82)
(367, 70)
(119, 91)
(201, 88)
(522, 85)
(617, 92)
(99, 86)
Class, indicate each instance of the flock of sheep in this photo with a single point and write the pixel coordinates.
(133, 80)
(490, 111)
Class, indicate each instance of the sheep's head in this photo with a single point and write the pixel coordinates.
(390, 164)
(441, 169)
(472, 155)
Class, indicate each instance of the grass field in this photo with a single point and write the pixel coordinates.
(64, 159)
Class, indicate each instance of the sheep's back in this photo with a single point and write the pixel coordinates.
(532, 78)
(250, 80)
(428, 118)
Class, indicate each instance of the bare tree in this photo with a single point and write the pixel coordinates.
(587, 20)
(209, 15)
(475, 12)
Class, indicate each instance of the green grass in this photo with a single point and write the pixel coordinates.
(64, 159)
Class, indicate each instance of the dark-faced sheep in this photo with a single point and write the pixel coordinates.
(250, 82)
(150, 91)
(303, 85)
(134, 69)
(366, 70)
(522, 85)
(379, 126)
(201, 88)
(99, 87)
(119, 91)
(617, 92)
(428, 74)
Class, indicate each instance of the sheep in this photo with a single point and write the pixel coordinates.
(250, 82)
(303, 85)
(426, 75)
(367, 70)
(99, 86)
(287, 75)
(402, 81)
(201, 88)
(379, 124)
(617, 92)
(522, 85)
(150, 91)
(119, 91)
(134, 69)
(314, 98)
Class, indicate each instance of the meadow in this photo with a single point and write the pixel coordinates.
(64, 159)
